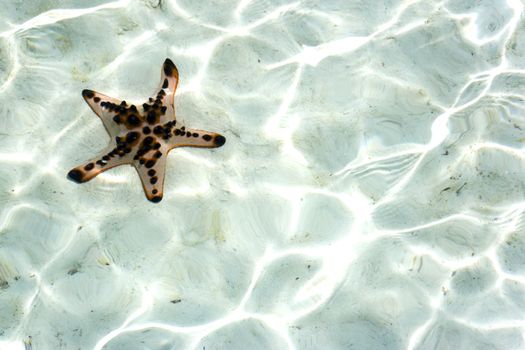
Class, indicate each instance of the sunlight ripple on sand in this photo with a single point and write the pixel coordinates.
(370, 195)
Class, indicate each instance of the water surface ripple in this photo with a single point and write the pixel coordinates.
(370, 194)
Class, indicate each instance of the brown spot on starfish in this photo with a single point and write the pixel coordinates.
(132, 140)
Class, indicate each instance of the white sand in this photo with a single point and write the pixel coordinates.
(370, 194)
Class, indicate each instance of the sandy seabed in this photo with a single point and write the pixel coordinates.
(371, 193)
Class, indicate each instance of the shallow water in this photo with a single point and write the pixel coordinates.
(370, 194)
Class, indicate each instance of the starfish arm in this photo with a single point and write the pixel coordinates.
(151, 172)
(94, 100)
(196, 138)
(116, 115)
(107, 159)
(160, 107)
(169, 79)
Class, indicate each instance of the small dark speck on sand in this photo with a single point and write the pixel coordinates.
(460, 188)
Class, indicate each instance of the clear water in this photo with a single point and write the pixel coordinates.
(370, 194)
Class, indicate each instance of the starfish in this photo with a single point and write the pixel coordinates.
(142, 136)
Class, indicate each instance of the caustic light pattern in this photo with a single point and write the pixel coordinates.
(371, 195)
